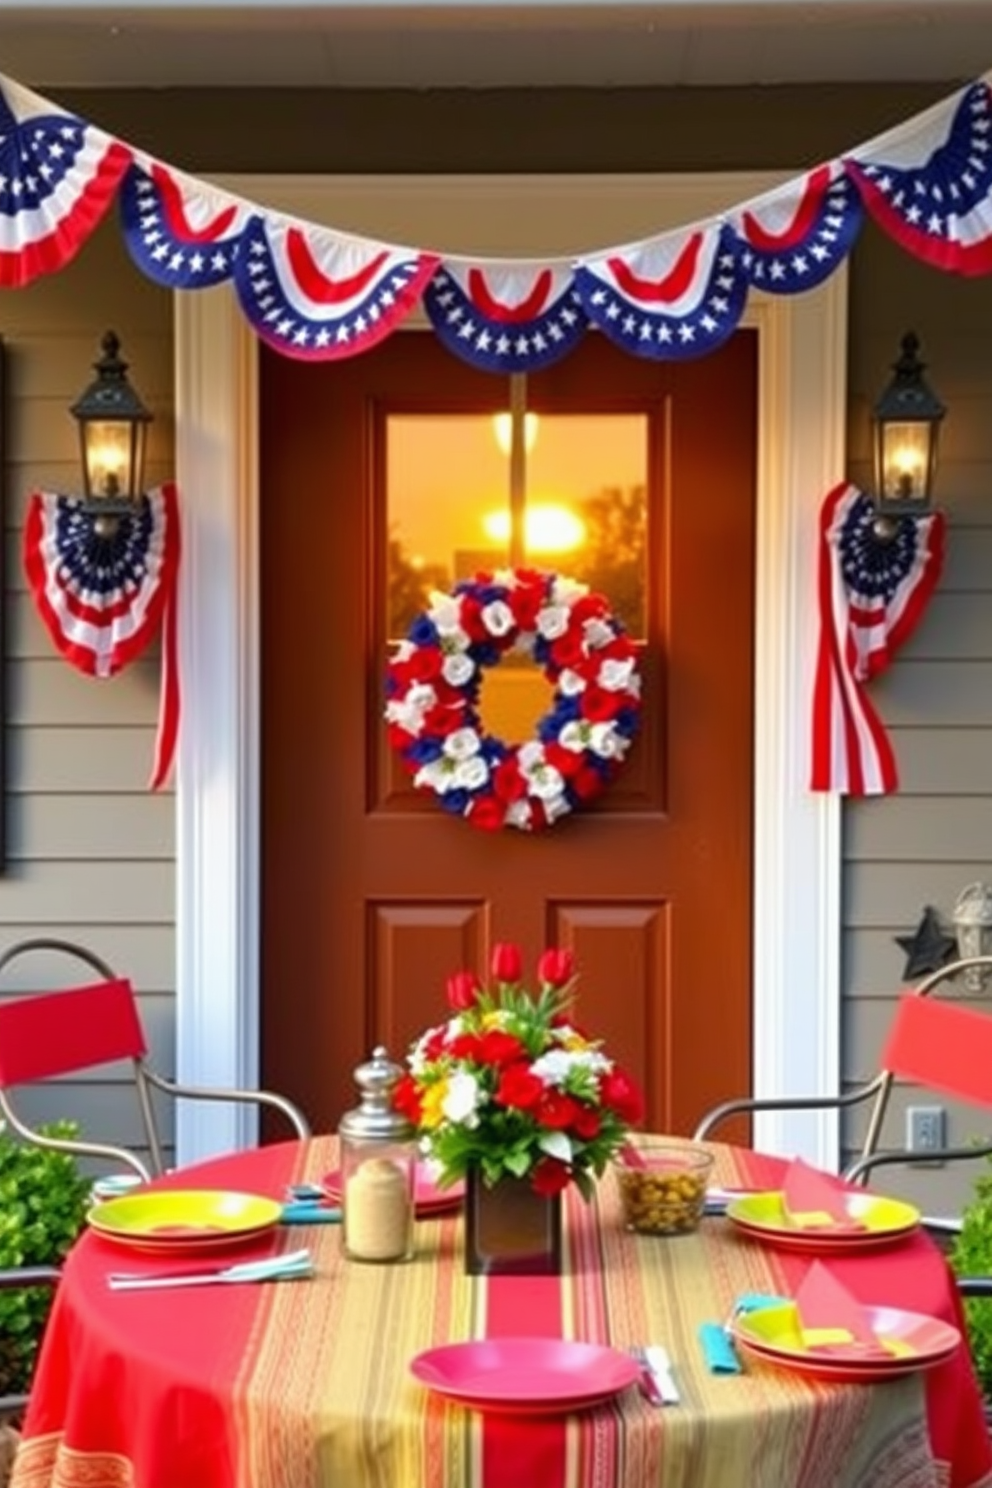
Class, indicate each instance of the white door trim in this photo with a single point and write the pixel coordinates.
(802, 406)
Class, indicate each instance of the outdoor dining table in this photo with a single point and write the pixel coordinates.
(306, 1383)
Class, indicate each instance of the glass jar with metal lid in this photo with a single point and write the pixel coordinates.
(378, 1168)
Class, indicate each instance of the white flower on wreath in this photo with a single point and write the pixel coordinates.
(553, 621)
(462, 1099)
(409, 710)
(605, 741)
(519, 814)
(617, 676)
(462, 744)
(570, 683)
(543, 780)
(445, 613)
(457, 669)
(597, 633)
(471, 774)
(438, 775)
(497, 617)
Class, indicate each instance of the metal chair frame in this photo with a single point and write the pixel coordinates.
(879, 1089)
(11, 1279)
(146, 1079)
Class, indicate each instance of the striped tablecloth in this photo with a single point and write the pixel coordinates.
(306, 1384)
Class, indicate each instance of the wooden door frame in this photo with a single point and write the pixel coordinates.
(802, 416)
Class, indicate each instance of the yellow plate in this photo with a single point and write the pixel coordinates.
(873, 1214)
(184, 1215)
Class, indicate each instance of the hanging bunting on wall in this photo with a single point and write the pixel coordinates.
(103, 595)
(872, 592)
(316, 293)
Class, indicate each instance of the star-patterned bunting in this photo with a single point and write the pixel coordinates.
(675, 297)
(179, 231)
(794, 237)
(928, 184)
(58, 176)
(506, 317)
(319, 295)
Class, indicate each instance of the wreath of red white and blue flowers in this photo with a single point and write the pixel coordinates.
(434, 681)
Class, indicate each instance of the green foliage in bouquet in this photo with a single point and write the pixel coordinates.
(43, 1203)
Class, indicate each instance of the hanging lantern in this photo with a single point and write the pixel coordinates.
(113, 432)
(973, 927)
(906, 422)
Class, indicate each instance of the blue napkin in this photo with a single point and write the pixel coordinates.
(716, 1343)
(718, 1349)
(305, 1211)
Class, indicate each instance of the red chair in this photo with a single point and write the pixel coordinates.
(943, 1046)
(45, 1035)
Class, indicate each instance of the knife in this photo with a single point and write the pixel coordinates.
(660, 1368)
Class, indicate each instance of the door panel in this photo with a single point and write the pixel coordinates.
(372, 894)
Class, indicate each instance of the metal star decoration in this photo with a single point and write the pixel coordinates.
(928, 948)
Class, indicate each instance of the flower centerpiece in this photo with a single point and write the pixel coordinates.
(511, 1095)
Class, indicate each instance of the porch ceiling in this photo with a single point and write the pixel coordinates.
(434, 43)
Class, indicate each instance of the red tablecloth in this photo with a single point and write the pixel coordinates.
(306, 1385)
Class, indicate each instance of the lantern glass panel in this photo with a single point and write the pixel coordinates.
(109, 456)
(906, 461)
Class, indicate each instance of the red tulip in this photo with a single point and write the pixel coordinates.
(407, 1100)
(621, 1094)
(463, 989)
(518, 1088)
(507, 962)
(556, 1110)
(556, 967)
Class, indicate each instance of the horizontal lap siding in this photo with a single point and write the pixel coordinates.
(90, 851)
(922, 845)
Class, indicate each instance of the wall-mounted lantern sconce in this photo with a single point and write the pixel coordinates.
(973, 928)
(113, 433)
(905, 427)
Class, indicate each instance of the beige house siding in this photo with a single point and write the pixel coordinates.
(91, 851)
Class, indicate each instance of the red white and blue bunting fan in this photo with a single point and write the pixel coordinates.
(102, 597)
(796, 236)
(505, 317)
(872, 592)
(929, 183)
(180, 232)
(678, 296)
(58, 176)
(319, 295)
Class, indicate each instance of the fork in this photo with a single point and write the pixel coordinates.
(295, 1263)
(656, 1368)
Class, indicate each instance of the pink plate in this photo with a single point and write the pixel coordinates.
(526, 1376)
(930, 1340)
(429, 1198)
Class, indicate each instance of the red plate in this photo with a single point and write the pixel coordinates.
(526, 1376)
(819, 1242)
(429, 1198)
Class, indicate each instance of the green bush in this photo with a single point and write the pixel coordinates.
(971, 1255)
(43, 1202)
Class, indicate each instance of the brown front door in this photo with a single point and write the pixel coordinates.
(371, 893)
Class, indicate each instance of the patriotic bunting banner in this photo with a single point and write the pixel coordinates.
(929, 184)
(794, 237)
(319, 294)
(678, 296)
(872, 592)
(102, 597)
(506, 317)
(58, 176)
(180, 232)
